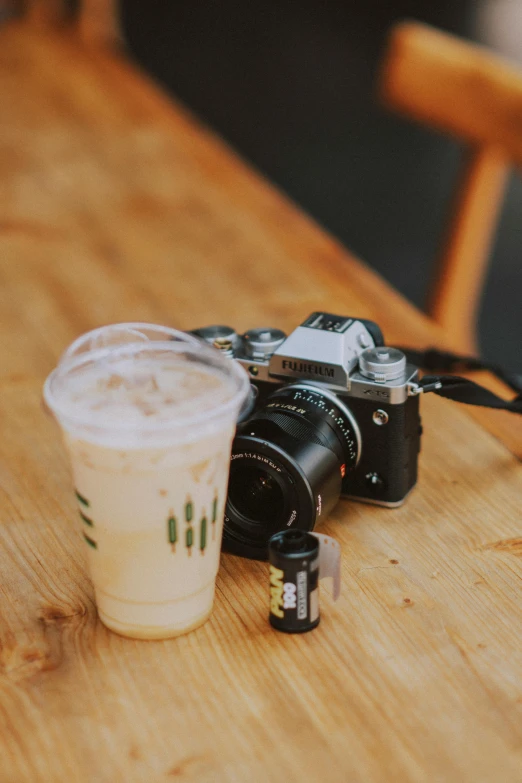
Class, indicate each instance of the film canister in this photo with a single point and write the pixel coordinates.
(294, 581)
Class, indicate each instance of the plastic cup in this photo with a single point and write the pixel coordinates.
(148, 415)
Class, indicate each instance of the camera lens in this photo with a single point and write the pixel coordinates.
(288, 461)
(255, 493)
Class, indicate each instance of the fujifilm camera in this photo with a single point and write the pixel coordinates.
(334, 413)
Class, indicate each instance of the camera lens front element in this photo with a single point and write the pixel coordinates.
(255, 493)
(264, 495)
(287, 465)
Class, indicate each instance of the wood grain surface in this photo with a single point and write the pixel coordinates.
(115, 205)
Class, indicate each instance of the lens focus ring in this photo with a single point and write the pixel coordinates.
(317, 413)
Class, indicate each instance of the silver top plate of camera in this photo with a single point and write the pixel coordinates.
(326, 350)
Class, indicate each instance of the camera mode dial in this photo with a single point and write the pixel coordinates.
(263, 342)
(382, 364)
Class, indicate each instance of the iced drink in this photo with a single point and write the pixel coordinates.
(148, 426)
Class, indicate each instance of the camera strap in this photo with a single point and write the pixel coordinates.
(455, 387)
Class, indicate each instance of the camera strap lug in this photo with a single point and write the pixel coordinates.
(415, 389)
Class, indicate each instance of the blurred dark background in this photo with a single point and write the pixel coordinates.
(291, 85)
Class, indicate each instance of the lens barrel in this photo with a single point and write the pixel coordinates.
(288, 461)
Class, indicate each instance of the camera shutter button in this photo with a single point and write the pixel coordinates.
(364, 340)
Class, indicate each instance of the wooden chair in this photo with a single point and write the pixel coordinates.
(95, 21)
(462, 89)
(431, 77)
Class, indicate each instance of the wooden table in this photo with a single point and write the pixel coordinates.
(116, 205)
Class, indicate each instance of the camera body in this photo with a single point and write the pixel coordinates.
(344, 406)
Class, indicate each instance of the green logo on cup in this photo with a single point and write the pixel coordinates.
(191, 531)
(85, 519)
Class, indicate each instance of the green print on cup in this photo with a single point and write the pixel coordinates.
(87, 520)
(214, 516)
(203, 534)
(189, 539)
(81, 498)
(190, 532)
(91, 543)
(173, 532)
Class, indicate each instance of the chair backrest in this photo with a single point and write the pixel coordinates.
(464, 90)
(95, 21)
